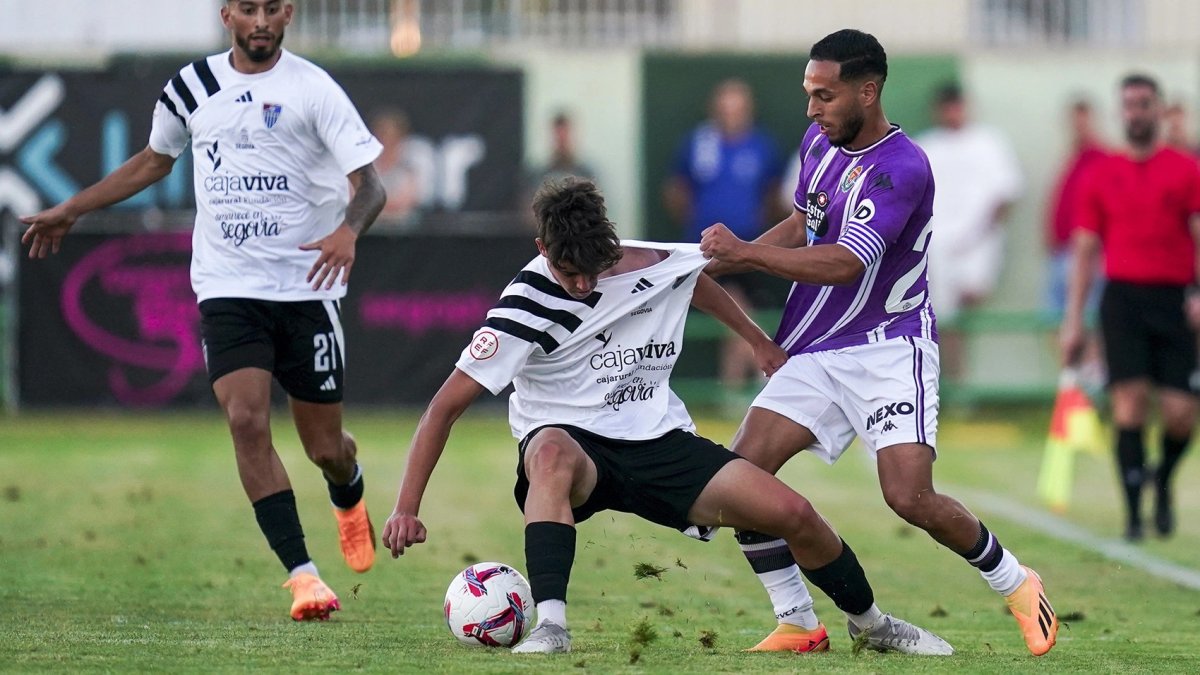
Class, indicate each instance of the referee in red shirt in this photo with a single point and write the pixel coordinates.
(1142, 207)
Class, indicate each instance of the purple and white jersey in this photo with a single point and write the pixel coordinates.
(876, 202)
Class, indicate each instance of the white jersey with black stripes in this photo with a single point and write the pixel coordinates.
(603, 363)
(271, 152)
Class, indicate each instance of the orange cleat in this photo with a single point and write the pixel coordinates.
(1035, 616)
(789, 638)
(311, 598)
(357, 536)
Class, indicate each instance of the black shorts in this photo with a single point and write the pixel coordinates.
(1146, 334)
(658, 479)
(300, 343)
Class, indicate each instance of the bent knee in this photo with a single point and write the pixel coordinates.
(552, 455)
(911, 505)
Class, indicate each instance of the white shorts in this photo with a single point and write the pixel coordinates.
(885, 393)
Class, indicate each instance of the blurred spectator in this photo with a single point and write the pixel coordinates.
(397, 171)
(1063, 214)
(562, 163)
(1086, 150)
(1177, 132)
(728, 171)
(977, 179)
(1141, 208)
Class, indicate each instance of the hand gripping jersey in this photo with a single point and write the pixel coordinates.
(877, 203)
(271, 153)
(603, 363)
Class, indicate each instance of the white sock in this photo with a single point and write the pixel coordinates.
(790, 597)
(554, 611)
(866, 619)
(1007, 576)
(307, 568)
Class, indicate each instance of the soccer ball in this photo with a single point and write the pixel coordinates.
(489, 604)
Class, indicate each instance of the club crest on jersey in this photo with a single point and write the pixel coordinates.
(271, 113)
(851, 178)
(815, 218)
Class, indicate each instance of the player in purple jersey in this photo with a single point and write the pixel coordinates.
(859, 329)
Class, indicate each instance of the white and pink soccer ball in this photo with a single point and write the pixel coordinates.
(489, 604)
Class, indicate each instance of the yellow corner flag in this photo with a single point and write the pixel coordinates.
(1074, 427)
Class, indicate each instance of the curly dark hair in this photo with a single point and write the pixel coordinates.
(573, 224)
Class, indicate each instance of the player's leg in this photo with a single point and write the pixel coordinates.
(310, 366)
(906, 477)
(1128, 355)
(749, 499)
(239, 355)
(776, 428)
(1172, 367)
(555, 476)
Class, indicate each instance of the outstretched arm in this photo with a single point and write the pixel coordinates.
(713, 300)
(47, 229)
(823, 264)
(337, 249)
(787, 233)
(404, 528)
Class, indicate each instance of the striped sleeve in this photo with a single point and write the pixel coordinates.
(534, 313)
(880, 206)
(183, 94)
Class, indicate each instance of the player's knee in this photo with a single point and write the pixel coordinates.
(913, 506)
(550, 459)
(799, 516)
(248, 426)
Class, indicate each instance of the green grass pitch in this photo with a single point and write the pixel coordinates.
(126, 545)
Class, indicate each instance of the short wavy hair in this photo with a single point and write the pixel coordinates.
(573, 224)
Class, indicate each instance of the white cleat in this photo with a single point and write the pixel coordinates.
(546, 638)
(890, 634)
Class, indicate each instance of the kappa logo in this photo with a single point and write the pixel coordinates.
(888, 426)
(889, 410)
(643, 284)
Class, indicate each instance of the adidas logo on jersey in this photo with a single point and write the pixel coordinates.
(245, 98)
(330, 384)
(642, 284)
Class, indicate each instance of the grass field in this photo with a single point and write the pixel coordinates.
(126, 545)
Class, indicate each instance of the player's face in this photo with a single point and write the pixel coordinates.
(1141, 113)
(833, 103)
(257, 26)
(574, 282)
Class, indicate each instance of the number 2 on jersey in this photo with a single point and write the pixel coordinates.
(896, 302)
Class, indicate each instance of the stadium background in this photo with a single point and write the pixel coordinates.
(77, 81)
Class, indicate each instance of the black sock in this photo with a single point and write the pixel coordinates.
(280, 523)
(1131, 461)
(549, 554)
(1173, 451)
(844, 581)
(987, 551)
(764, 552)
(348, 495)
